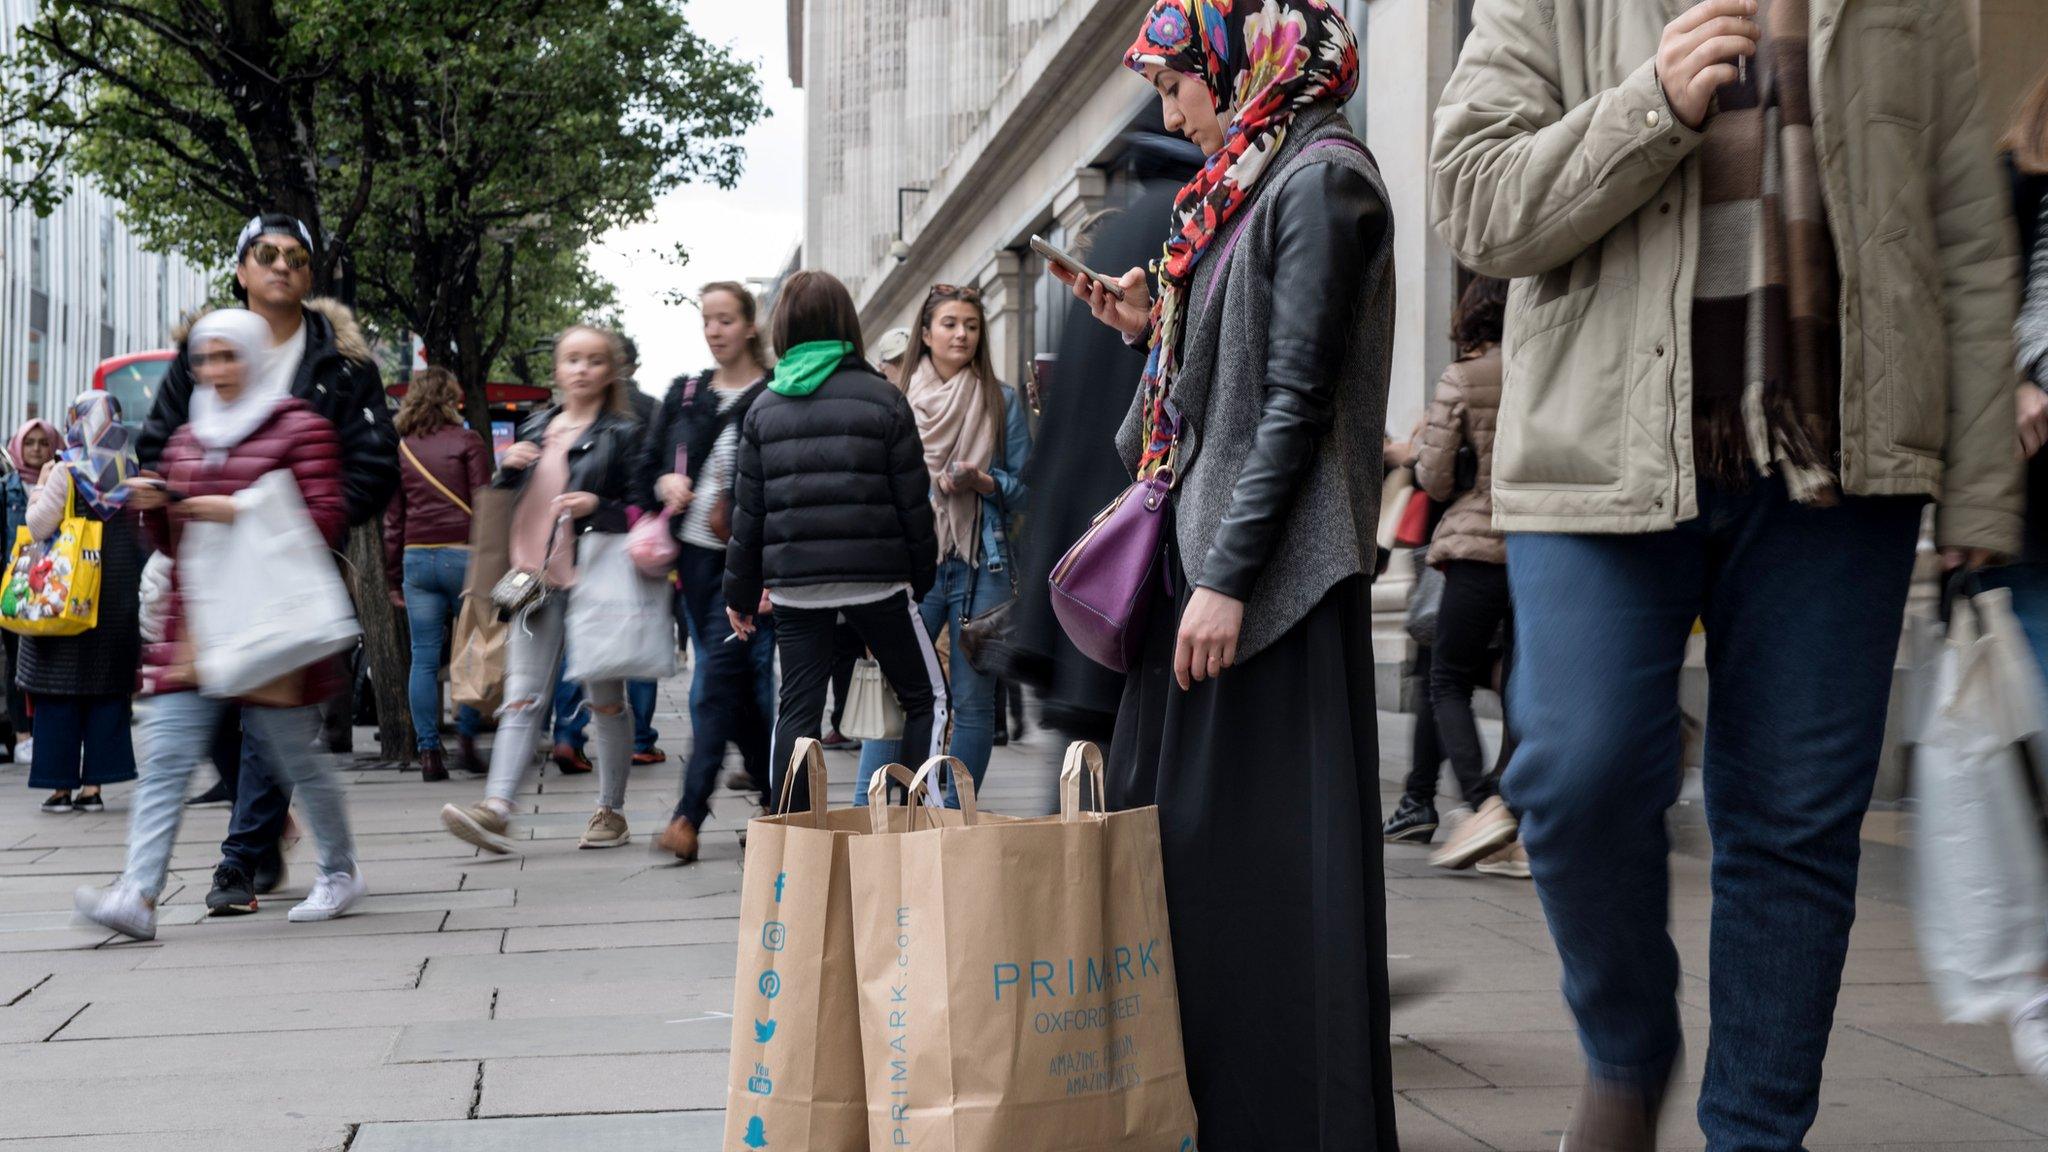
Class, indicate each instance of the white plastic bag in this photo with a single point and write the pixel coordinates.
(1981, 875)
(262, 596)
(619, 623)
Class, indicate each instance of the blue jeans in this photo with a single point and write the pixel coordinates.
(732, 685)
(176, 731)
(959, 591)
(1802, 608)
(572, 719)
(433, 593)
(2029, 586)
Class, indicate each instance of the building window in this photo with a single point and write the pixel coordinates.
(106, 286)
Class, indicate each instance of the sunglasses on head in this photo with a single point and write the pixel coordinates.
(223, 356)
(953, 292)
(296, 259)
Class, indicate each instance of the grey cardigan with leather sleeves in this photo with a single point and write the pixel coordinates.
(1283, 384)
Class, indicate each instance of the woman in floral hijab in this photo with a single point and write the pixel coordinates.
(1249, 716)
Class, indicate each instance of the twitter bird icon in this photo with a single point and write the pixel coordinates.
(757, 1135)
(763, 1033)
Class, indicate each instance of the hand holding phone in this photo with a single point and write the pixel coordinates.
(1070, 270)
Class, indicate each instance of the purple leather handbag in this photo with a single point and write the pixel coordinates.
(1103, 587)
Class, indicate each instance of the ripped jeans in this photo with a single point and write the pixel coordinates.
(533, 657)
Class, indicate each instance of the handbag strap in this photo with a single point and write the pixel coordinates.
(405, 450)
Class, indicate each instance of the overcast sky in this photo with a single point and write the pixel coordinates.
(734, 235)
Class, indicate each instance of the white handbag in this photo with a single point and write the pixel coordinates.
(872, 710)
(1981, 869)
(262, 596)
(619, 624)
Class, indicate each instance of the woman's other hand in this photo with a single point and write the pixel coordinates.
(575, 505)
(145, 495)
(2033, 419)
(1208, 637)
(211, 509)
(1132, 314)
(742, 626)
(675, 492)
(520, 456)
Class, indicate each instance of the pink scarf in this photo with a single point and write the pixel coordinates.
(953, 420)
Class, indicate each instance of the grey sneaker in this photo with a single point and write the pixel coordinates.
(1511, 862)
(607, 829)
(1489, 830)
(479, 824)
(2030, 1038)
(332, 895)
(121, 908)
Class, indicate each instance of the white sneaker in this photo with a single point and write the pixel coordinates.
(1492, 828)
(1511, 861)
(2030, 1038)
(121, 908)
(332, 895)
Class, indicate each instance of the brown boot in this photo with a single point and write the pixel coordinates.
(467, 760)
(433, 767)
(680, 837)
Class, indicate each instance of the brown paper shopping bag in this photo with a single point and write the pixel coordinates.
(796, 1078)
(1016, 981)
(476, 663)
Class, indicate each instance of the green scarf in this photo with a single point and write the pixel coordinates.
(805, 368)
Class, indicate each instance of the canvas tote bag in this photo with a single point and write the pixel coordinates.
(1016, 980)
(795, 1079)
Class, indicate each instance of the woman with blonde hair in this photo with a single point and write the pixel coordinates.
(426, 549)
(572, 468)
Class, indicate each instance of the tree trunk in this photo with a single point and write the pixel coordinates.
(386, 645)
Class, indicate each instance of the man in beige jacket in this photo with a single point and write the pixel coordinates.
(1765, 284)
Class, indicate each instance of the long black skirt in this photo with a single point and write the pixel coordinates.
(1267, 782)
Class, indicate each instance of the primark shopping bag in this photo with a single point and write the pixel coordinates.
(1016, 980)
(795, 1080)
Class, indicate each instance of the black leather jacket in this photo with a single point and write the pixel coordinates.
(1329, 223)
(600, 463)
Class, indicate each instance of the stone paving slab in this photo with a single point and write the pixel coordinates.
(648, 1083)
(199, 1100)
(584, 967)
(236, 1054)
(669, 1131)
(311, 1136)
(321, 949)
(709, 1031)
(250, 979)
(644, 934)
(230, 1013)
(677, 999)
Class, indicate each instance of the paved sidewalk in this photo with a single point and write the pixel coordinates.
(568, 999)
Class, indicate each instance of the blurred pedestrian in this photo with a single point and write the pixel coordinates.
(1455, 468)
(2026, 158)
(832, 519)
(319, 354)
(32, 446)
(1762, 314)
(687, 466)
(889, 352)
(977, 441)
(244, 424)
(572, 469)
(82, 685)
(1249, 718)
(426, 551)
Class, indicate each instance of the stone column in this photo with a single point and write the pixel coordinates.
(1079, 198)
(1001, 282)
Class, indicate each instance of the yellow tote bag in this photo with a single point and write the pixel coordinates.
(53, 589)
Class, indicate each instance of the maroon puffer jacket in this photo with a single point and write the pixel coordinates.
(294, 437)
(419, 513)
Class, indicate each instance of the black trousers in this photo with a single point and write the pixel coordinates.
(1475, 608)
(891, 629)
(1426, 751)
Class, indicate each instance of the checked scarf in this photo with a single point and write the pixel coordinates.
(1263, 61)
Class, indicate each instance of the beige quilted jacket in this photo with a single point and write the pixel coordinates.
(1463, 412)
(1557, 162)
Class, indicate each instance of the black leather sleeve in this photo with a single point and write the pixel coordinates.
(1328, 220)
(369, 444)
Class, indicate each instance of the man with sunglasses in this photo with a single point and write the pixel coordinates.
(319, 348)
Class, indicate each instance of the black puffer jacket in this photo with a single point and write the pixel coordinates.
(600, 463)
(831, 488)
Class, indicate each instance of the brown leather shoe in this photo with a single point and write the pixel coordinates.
(680, 837)
(1613, 1117)
(433, 766)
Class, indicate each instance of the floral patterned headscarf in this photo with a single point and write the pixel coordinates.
(100, 451)
(1267, 60)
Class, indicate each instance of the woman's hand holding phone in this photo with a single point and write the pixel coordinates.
(1130, 315)
(521, 456)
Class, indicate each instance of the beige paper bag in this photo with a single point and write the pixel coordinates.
(1016, 981)
(796, 1077)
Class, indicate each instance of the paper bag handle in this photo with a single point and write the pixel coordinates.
(808, 757)
(924, 788)
(878, 793)
(1082, 757)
